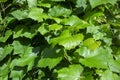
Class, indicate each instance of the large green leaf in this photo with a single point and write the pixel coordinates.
(50, 57)
(67, 40)
(108, 75)
(57, 11)
(76, 22)
(99, 2)
(98, 58)
(20, 14)
(26, 31)
(27, 58)
(37, 14)
(72, 72)
(91, 43)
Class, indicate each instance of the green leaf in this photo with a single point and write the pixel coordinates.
(43, 29)
(71, 42)
(76, 22)
(57, 11)
(99, 2)
(91, 43)
(114, 66)
(95, 31)
(8, 33)
(72, 72)
(32, 3)
(36, 14)
(50, 57)
(4, 70)
(18, 47)
(55, 27)
(20, 14)
(98, 58)
(108, 75)
(5, 51)
(67, 40)
(27, 58)
(81, 3)
(16, 74)
(47, 5)
(26, 31)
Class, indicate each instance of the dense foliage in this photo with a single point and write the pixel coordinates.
(59, 40)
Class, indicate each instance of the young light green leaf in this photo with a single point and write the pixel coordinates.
(91, 43)
(43, 29)
(55, 27)
(36, 14)
(72, 72)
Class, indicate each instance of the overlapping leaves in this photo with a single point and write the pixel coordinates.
(59, 39)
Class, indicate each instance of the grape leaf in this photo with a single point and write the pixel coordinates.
(26, 58)
(76, 22)
(100, 55)
(50, 57)
(72, 72)
(26, 31)
(68, 41)
(36, 14)
(91, 43)
(20, 14)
